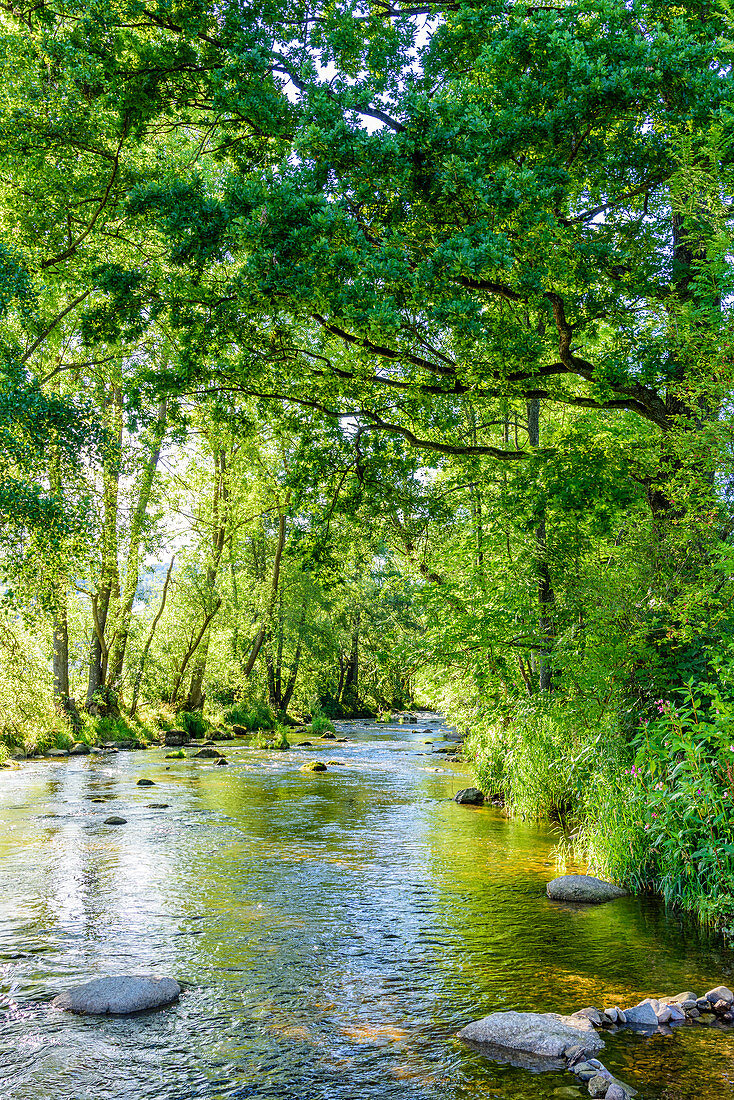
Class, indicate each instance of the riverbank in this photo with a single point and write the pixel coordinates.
(652, 812)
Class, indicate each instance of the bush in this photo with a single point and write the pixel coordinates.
(669, 817)
(257, 717)
(278, 739)
(193, 723)
(320, 723)
(545, 759)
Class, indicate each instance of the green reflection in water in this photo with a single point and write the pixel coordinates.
(334, 930)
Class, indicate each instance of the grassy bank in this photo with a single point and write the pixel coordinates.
(649, 806)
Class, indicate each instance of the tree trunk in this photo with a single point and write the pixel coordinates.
(60, 619)
(220, 518)
(148, 641)
(61, 657)
(275, 581)
(350, 693)
(132, 571)
(545, 588)
(108, 587)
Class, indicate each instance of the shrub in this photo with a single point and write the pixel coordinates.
(320, 722)
(669, 818)
(257, 717)
(193, 723)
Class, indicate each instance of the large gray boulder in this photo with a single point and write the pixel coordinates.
(584, 888)
(543, 1034)
(118, 995)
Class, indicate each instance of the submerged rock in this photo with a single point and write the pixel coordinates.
(544, 1034)
(470, 796)
(583, 888)
(118, 995)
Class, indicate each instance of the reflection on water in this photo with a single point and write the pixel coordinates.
(333, 930)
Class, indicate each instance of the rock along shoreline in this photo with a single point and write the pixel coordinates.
(549, 1041)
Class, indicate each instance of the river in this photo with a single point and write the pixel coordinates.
(333, 931)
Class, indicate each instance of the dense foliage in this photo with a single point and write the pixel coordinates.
(354, 355)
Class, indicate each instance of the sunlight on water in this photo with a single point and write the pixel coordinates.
(333, 931)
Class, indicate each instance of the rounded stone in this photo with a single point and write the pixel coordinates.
(146, 783)
(543, 1034)
(583, 888)
(118, 995)
(313, 766)
(115, 820)
(598, 1087)
(470, 796)
(720, 993)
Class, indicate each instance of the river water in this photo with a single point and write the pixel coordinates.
(333, 932)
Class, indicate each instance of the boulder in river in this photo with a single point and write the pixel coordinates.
(79, 749)
(598, 1086)
(57, 752)
(721, 993)
(583, 888)
(146, 783)
(175, 739)
(470, 796)
(642, 1015)
(208, 753)
(119, 995)
(115, 820)
(313, 766)
(544, 1034)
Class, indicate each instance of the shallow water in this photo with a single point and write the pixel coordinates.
(333, 930)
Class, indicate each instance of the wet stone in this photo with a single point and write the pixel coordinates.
(598, 1087)
(118, 995)
(720, 993)
(470, 796)
(313, 766)
(115, 820)
(583, 888)
(146, 783)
